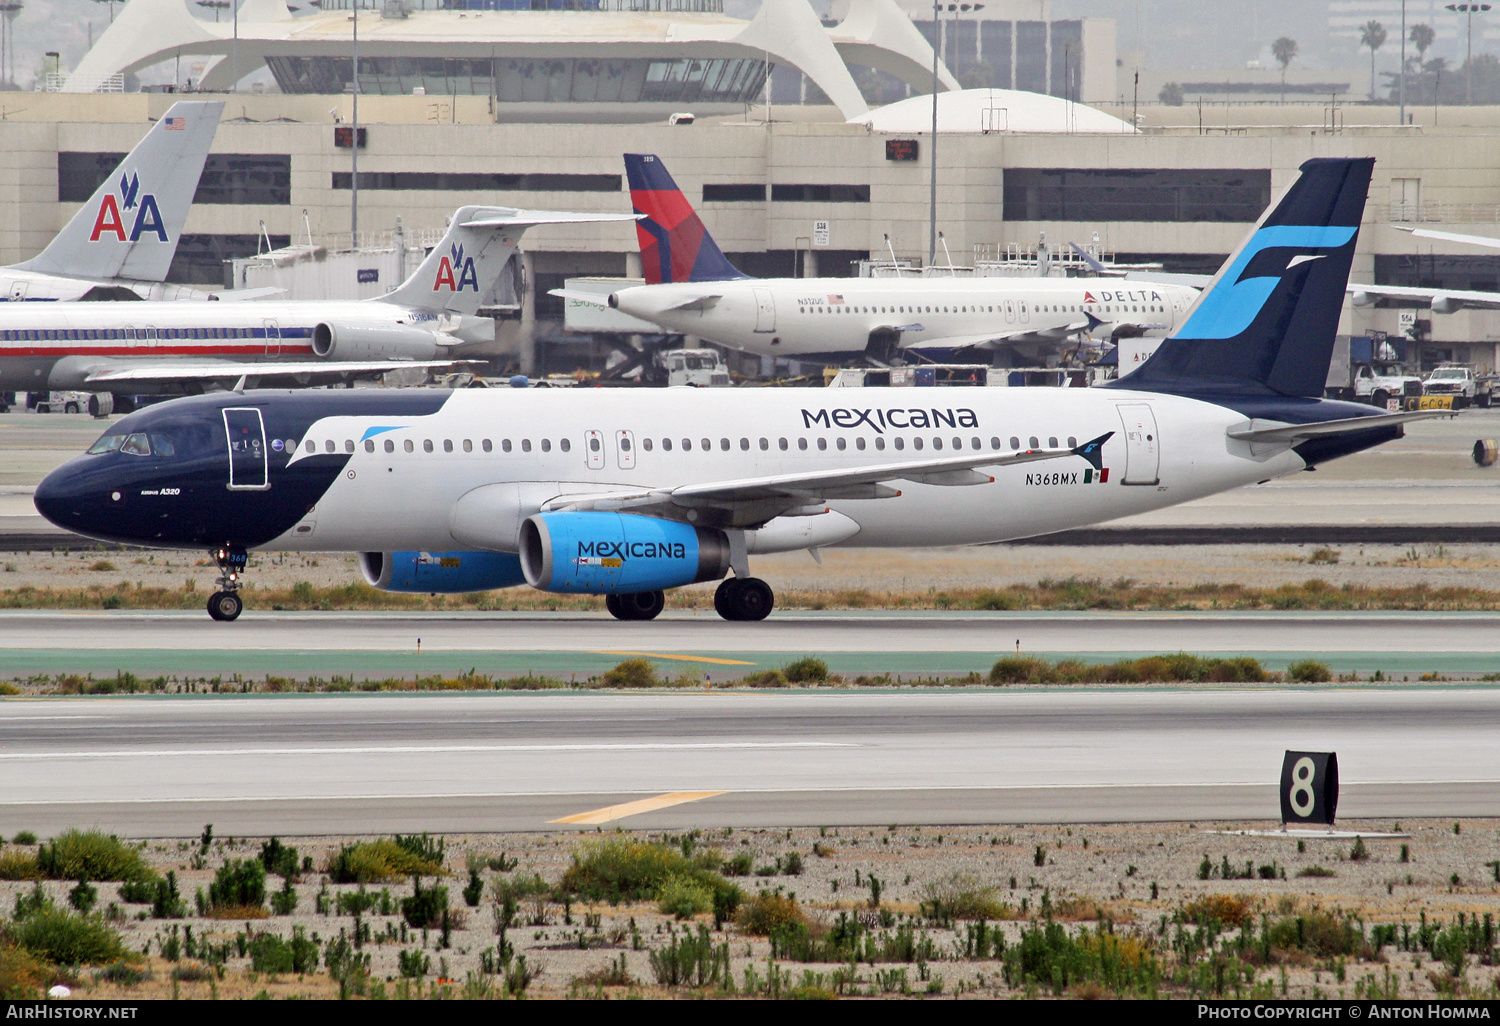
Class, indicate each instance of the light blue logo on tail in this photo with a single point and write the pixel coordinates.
(1232, 304)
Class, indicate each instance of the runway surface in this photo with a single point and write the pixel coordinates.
(386, 644)
(370, 763)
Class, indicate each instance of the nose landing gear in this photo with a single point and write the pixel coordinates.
(226, 604)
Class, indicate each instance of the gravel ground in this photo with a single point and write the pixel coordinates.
(1139, 876)
(1474, 566)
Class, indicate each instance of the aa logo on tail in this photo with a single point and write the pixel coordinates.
(456, 271)
(110, 220)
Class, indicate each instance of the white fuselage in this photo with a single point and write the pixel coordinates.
(793, 317)
(1164, 450)
(18, 285)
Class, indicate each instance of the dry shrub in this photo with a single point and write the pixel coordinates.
(1230, 910)
(378, 862)
(768, 913)
(962, 896)
(22, 974)
(91, 855)
(632, 673)
(238, 912)
(19, 865)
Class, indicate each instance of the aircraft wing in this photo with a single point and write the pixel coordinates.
(305, 373)
(961, 341)
(595, 299)
(531, 218)
(748, 502)
(245, 295)
(1468, 240)
(591, 298)
(1443, 301)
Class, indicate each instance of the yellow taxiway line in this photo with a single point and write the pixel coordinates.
(610, 813)
(681, 658)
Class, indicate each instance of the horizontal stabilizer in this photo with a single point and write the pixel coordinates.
(1468, 240)
(322, 370)
(591, 298)
(1290, 434)
(531, 218)
(244, 295)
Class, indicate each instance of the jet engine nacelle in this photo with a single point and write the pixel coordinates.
(601, 553)
(445, 572)
(335, 341)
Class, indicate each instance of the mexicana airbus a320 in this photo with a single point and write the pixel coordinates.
(629, 493)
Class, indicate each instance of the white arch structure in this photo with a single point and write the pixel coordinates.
(876, 33)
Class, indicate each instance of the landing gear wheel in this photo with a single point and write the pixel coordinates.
(645, 605)
(744, 598)
(225, 605)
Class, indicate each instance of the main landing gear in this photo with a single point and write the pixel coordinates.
(643, 605)
(744, 598)
(226, 604)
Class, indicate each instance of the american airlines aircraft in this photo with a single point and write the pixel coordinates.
(628, 493)
(692, 288)
(120, 244)
(167, 348)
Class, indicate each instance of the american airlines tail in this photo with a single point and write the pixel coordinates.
(130, 226)
(459, 271)
(1266, 323)
(675, 247)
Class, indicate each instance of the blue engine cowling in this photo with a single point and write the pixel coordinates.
(618, 552)
(447, 572)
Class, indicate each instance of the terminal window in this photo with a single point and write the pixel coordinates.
(748, 193)
(464, 181)
(820, 193)
(203, 259)
(250, 178)
(1144, 194)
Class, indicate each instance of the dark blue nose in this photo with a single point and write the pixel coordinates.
(70, 500)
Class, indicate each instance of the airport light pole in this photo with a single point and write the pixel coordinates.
(1468, 11)
(354, 142)
(937, 38)
(1401, 82)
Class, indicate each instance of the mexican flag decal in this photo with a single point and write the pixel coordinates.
(1092, 476)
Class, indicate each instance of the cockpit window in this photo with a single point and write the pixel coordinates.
(162, 445)
(136, 445)
(108, 443)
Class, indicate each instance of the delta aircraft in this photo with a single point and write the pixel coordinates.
(692, 288)
(629, 493)
(120, 244)
(167, 348)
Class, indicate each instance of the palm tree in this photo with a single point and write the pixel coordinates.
(1421, 37)
(1284, 50)
(1372, 34)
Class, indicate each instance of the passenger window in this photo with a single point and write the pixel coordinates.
(1052, 443)
(781, 444)
(994, 443)
(646, 444)
(937, 443)
(407, 445)
(1072, 442)
(958, 443)
(859, 443)
(486, 446)
(976, 444)
(624, 443)
(744, 445)
(567, 446)
(505, 445)
(687, 445)
(765, 443)
(468, 445)
(447, 445)
(525, 445)
(708, 446)
(328, 446)
(310, 445)
(899, 443)
(593, 445)
(666, 444)
(369, 445)
(426, 445)
(547, 445)
(348, 445)
(723, 444)
(916, 443)
(842, 444)
(802, 444)
(390, 446)
(1034, 443)
(1015, 443)
(823, 444)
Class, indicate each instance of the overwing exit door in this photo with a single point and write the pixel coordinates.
(1142, 446)
(765, 310)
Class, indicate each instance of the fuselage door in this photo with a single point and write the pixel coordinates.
(593, 447)
(1010, 312)
(18, 291)
(765, 310)
(150, 332)
(247, 449)
(273, 338)
(1025, 316)
(1142, 446)
(625, 449)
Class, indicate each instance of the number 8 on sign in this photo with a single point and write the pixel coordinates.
(1309, 787)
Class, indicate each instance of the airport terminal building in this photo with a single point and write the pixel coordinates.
(785, 188)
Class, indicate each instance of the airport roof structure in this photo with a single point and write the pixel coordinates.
(992, 110)
(600, 57)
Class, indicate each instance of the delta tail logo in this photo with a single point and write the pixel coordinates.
(456, 272)
(137, 208)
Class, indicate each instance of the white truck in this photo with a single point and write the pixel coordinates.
(700, 368)
(1459, 382)
(1367, 369)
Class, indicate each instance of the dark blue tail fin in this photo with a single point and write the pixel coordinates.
(675, 247)
(1266, 323)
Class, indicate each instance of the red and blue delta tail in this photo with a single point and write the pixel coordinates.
(675, 247)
